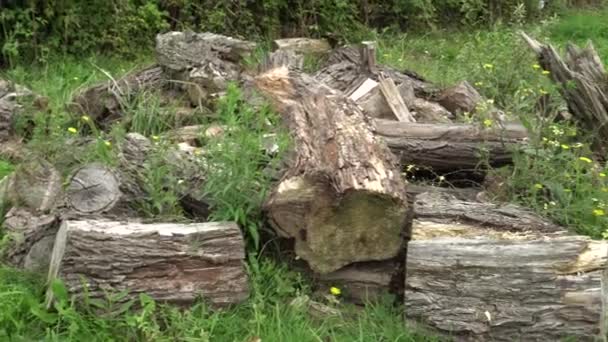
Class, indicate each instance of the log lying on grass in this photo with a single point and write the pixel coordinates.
(106, 102)
(477, 271)
(174, 263)
(445, 147)
(582, 79)
(341, 197)
(304, 46)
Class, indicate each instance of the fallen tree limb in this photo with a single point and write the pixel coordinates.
(445, 147)
(341, 197)
(172, 263)
(582, 83)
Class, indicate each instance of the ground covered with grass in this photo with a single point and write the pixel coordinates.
(555, 176)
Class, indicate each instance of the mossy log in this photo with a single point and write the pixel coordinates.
(174, 263)
(341, 197)
(447, 147)
(480, 271)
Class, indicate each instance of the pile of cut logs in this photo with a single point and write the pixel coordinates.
(468, 268)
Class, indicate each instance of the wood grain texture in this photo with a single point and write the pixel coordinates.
(172, 263)
(450, 146)
(341, 197)
(481, 271)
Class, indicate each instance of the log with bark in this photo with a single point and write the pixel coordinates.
(581, 77)
(106, 102)
(303, 46)
(174, 263)
(201, 64)
(341, 197)
(480, 271)
(446, 147)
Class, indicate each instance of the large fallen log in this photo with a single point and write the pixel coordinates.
(105, 103)
(479, 271)
(173, 263)
(445, 147)
(341, 197)
(582, 83)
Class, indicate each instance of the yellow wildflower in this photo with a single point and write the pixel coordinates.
(155, 137)
(335, 291)
(585, 159)
(72, 130)
(536, 66)
(487, 123)
(599, 212)
(478, 84)
(85, 118)
(565, 147)
(543, 92)
(604, 189)
(197, 152)
(567, 190)
(546, 72)
(602, 174)
(410, 167)
(538, 186)
(107, 143)
(488, 66)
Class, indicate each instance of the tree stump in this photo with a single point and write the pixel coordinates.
(341, 197)
(174, 263)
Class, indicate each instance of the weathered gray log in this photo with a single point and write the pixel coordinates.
(394, 99)
(304, 46)
(172, 263)
(10, 97)
(581, 77)
(202, 64)
(95, 189)
(279, 58)
(445, 147)
(105, 103)
(481, 271)
(30, 239)
(460, 98)
(341, 197)
(35, 184)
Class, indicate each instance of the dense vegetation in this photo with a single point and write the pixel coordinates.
(490, 56)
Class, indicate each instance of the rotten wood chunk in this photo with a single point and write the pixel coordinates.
(174, 263)
(444, 147)
(481, 271)
(303, 45)
(459, 99)
(341, 197)
(581, 77)
(105, 103)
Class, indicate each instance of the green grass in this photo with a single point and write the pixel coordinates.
(6, 168)
(553, 176)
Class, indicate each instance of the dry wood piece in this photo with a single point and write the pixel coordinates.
(10, 94)
(172, 263)
(201, 64)
(367, 53)
(35, 185)
(95, 189)
(341, 197)
(480, 271)
(105, 103)
(460, 98)
(367, 86)
(31, 238)
(303, 45)
(451, 146)
(279, 58)
(394, 99)
(582, 79)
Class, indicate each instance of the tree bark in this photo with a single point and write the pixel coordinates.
(582, 83)
(172, 263)
(306, 46)
(105, 103)
(445, 147)
(479, 271)
(341, 197)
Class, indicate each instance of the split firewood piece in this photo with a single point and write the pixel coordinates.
(364, 89)
(96, 189)
(445, 147)
(581, 77)
(303, 46)
(105, 103)
(341, 197)
(394, 99)
(30, 239)
(482, 271)
(171, 262)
